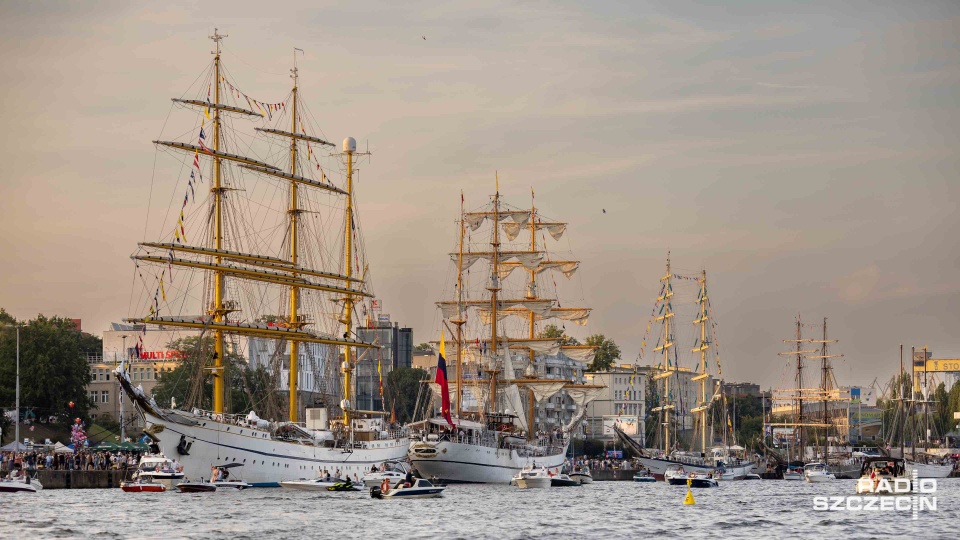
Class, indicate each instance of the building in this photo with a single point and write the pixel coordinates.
(317, 366)
(396, 351)
(145, 368)
(623, 401)
(851, 409)
(741, 389)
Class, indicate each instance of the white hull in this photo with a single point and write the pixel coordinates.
(19, 486)
(533, 482)
(582, 478)
(266, 462)
(658, 466)
(928, 470)
(817, 478)
(458, 462)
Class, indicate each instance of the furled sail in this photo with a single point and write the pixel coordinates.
(512, 392)
(512, 230)
(581, 395)
(544, 389)
(529, 259)
(567, 268)
(476, 219)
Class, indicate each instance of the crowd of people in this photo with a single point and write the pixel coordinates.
(84, 460)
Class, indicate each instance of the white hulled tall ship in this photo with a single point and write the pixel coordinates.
(501, 374)
(703, 454)
(275, 255)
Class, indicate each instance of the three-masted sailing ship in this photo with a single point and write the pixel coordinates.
(702, 455)
(258, 267)
(501, 360)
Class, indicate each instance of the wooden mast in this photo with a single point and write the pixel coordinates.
(666, 370)
(532, 295)
(219, 312)
(494, 288)
(294, 377)
(460, 319)
(702, 349)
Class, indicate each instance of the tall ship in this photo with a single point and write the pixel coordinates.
(505, 291)
(711, 447)
(272, 252)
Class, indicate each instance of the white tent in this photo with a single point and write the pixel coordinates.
(61, 448)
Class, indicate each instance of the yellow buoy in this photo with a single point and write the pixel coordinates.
(689, 498)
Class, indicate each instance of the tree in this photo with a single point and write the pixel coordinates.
(423, 347)
(552, 331)
(607, 353)
(401, 390)
(53, 370)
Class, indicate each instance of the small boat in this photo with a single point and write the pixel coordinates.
(676, 476)
(531, 477)
(563, 480)
(221, 477)
(22, 484)
(582, 475)
(751, 476)
(421, 489)
(157, 468)
(883, 476)
(793, 472)
(196, 487)
(346, 485)
(644, 476)
(395, 472)
(817, 472)
(315, 484)
(142, 485)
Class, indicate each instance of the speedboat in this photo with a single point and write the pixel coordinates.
(142, 485)
(23, 484)
(676, 476)
(883, 476)
(315, 484)
(157, 468)
(530, 477)
(751, 476)
(196, 487)
(817, 472)
(793, 472)
(395, 472)
(644, 476)
(221, 477)
(563, 480)
(421, 489)
(582, 475)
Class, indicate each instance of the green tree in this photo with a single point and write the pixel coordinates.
(53, 369)
(552, 331)
(607, 353)
(401, 390)
(423, 347)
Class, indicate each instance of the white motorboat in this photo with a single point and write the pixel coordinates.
(319, 484)
(582, 475)
(817, 472)
(196, 487)
(883, 476)
(644, 476)
(532, 477)
(22, 484)
(221, 477)
(158, 469)
(421, 489)
(563, 480)
(793, 473)
(394, 472)
(751, 476)
(677, 476)
(929, 470)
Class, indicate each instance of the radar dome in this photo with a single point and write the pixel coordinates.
(349, 144)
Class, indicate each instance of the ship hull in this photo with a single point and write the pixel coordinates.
(658, 466)
(266, 462)
(470, 463)
(927, 470)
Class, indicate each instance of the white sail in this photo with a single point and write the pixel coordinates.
(512, 230)
(581, 395)
(544, 389)
(475, 220)
(511, 393)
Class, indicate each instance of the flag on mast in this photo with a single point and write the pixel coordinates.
(441, 380)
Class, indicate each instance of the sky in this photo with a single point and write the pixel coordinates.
(805, 154)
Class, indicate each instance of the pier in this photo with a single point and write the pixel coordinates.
(78, 479)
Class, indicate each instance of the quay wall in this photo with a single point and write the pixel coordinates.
(608, 475)
(78, 479)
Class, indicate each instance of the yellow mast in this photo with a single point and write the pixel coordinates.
(294, 290)
(218, 308)
(494, 287)
(702, 377)
(460, 321)
(667, 344)
(532, 294)
(349, 148)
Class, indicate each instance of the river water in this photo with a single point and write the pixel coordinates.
(750, 509)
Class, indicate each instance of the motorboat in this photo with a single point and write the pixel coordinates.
(20, 484)
(221, 477)
(157, 468)
(531, 477)
(316, 484)
(582, 475)
(394, 472)
(675, 475)
(196, 487)
(563, 480)
(751, 476)
(817, 472)
(142, 485)
(793, 472)
(421, 489)
(883, 476)
(644, 476)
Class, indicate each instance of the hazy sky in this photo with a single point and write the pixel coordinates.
(805, 154)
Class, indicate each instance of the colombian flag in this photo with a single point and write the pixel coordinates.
(442, 381)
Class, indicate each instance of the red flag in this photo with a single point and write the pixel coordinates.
(442, 381)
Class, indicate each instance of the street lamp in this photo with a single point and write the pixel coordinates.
(17, 424)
